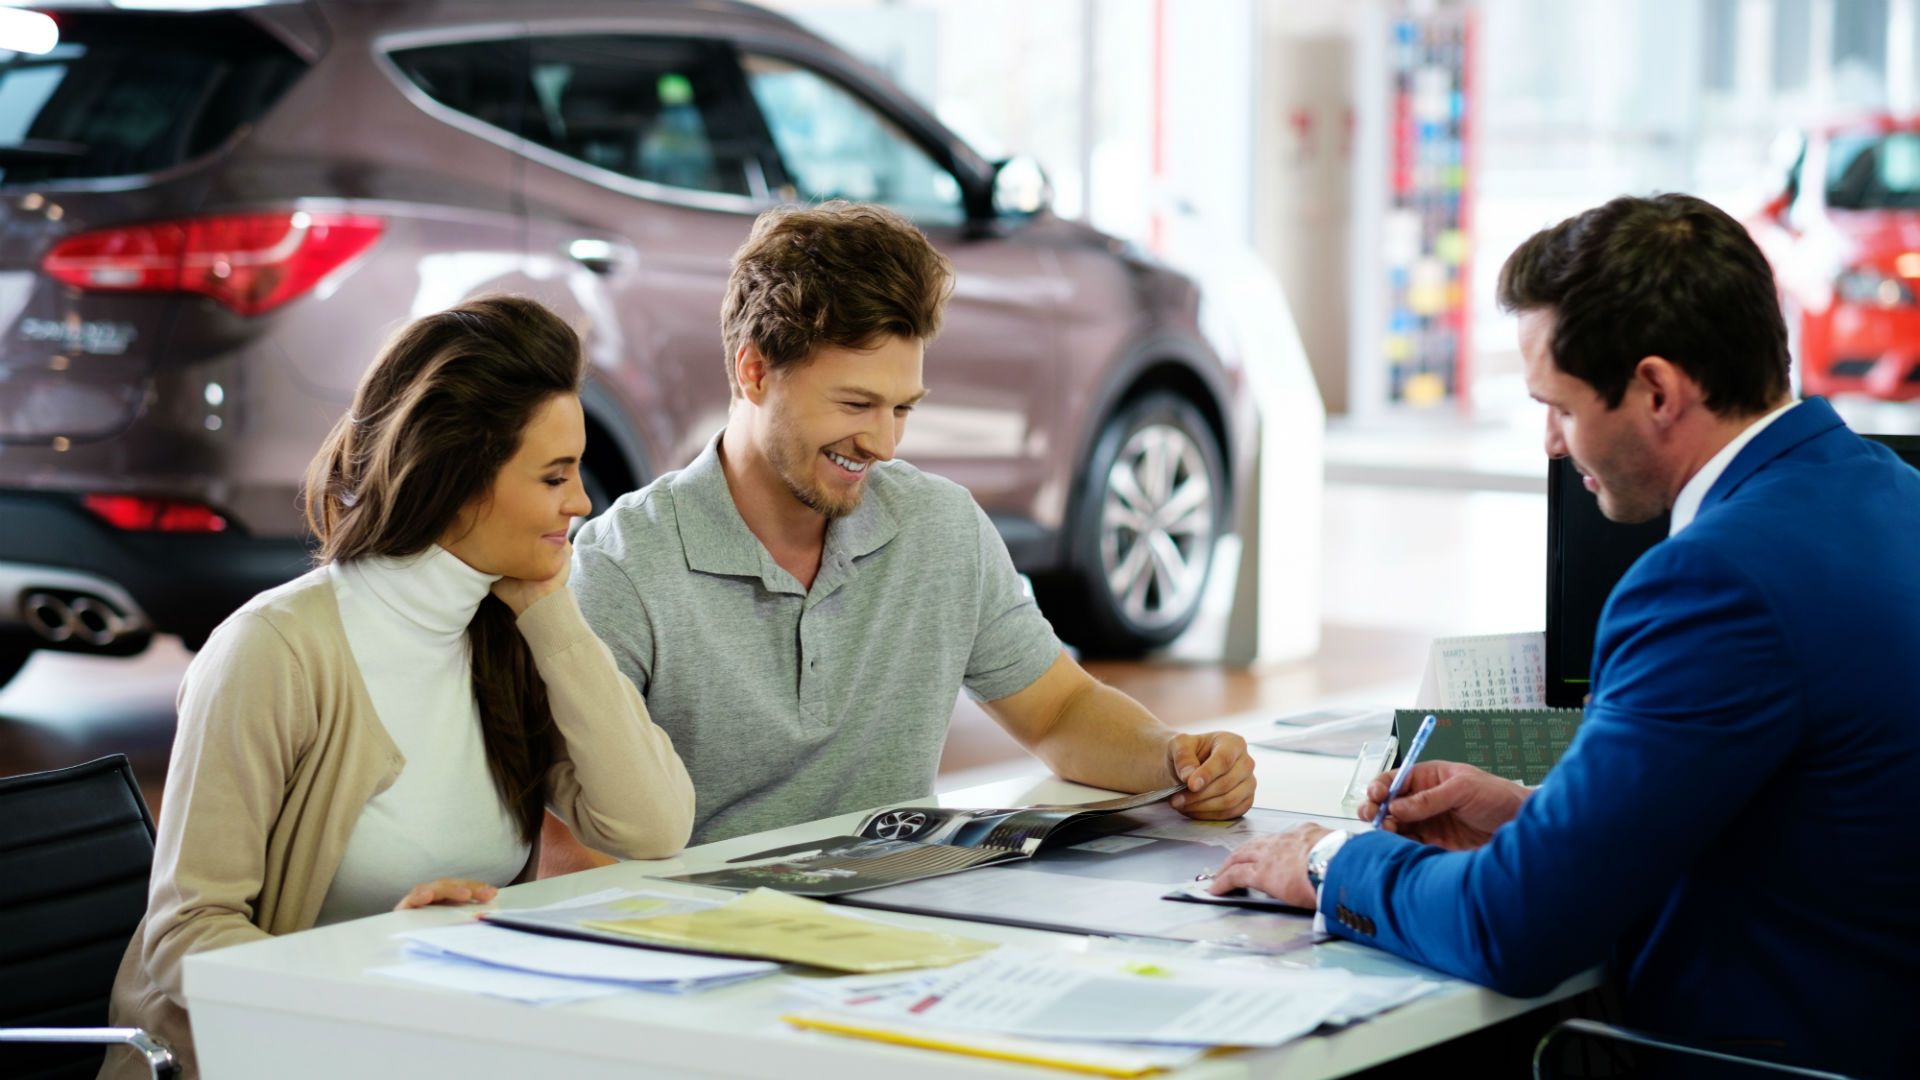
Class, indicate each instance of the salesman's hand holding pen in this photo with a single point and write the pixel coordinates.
(1445, 803)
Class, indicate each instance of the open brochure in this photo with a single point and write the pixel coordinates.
(909, 843)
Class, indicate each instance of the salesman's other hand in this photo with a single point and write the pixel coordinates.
(447, 891)
(1446, 803)
(1217, 772)
(1276, 865)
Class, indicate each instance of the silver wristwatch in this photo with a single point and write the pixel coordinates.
(1321, 853)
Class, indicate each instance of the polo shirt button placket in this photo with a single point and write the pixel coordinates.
(811, 691)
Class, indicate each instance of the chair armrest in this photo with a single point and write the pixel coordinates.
(158, 1054)
(1640, 1038)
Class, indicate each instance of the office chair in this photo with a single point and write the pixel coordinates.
(1597, 1030)
(76, 849)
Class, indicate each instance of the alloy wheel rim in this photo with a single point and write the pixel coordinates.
(1156, 526)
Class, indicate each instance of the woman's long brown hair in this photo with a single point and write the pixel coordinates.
(434, 419)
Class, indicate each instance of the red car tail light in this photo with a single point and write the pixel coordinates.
(249, 262)
(134, 513)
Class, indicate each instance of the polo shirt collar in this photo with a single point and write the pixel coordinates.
(712, 533)
(717, 541)
(867, 529)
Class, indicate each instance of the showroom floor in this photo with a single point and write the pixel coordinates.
(1431, 527)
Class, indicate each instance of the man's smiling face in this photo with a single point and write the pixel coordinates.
(834, 415)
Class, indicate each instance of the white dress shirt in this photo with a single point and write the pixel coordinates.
(406, 622)
(1687, 504)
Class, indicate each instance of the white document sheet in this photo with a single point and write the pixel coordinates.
(566, 958)
(1111, 998)
(470, 978)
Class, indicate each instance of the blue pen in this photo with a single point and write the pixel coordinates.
(1406, 766)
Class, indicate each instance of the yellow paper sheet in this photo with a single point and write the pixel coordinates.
(775, 926)
(1078, 1057)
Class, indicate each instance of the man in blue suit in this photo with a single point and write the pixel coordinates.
(1731, 827)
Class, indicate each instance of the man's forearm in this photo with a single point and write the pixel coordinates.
(1106, 739)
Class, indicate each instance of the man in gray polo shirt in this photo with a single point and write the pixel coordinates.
(800, 610)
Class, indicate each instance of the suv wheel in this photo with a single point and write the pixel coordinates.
(1143, 530)
(13, 657)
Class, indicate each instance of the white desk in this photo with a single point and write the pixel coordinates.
(300, 1006)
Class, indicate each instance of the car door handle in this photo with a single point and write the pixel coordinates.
(599, 256)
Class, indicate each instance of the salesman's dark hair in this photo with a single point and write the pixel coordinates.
(435, 418)
(1670, 276)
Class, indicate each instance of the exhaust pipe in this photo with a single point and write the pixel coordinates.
(49, 616)
(84, 619)
(95, 622)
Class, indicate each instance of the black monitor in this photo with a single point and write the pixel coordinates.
(1587, 555)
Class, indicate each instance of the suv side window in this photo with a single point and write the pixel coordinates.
(664, 110)
(834, 145)
(478, 78)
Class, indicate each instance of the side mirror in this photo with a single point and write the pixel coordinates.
(1021, 188)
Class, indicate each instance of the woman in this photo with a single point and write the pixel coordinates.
(386, 730)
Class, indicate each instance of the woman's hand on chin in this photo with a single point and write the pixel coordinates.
(447, 890)
(519, 594)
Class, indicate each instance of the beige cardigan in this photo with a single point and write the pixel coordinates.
(279, 748)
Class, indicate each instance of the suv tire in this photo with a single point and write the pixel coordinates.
(1142, 530)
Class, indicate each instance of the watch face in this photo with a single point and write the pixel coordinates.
(1321, 853)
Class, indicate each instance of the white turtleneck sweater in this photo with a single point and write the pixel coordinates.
(406, 622)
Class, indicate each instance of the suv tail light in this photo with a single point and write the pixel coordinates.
(134, 513)
(249, 262)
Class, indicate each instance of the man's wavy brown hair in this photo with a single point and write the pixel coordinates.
(840, 273)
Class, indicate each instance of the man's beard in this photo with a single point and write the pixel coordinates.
(1632, 493)
(795, 464)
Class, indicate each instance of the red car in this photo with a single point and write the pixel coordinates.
(1844, 239)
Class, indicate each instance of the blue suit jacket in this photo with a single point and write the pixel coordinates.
(1732, 824)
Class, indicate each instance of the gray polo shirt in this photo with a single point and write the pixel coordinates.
(789, 704)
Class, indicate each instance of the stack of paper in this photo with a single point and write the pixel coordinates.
(544, 969)
(653, 969)
(776, 926)
(1147, 1012)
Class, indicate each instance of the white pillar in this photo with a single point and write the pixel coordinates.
(1901, 89)
(1753, 56)
(1820, 56)
(1089, 86)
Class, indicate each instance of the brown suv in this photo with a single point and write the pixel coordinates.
(210, 221)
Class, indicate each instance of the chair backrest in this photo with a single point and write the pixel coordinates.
(76, 849)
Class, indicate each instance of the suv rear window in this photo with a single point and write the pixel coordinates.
(125, 93)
